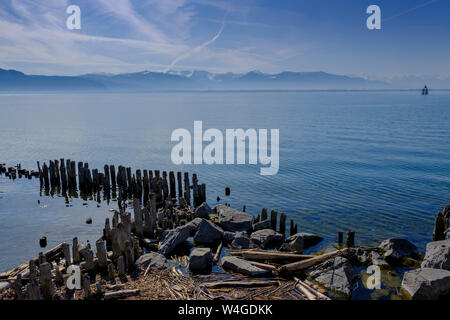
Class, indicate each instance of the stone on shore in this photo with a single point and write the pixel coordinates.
(172, 238)
(266, 238)
(336, 274)
(242, 241)
(396, 249)
(427, 283)
(193, 225)
(233, 220)
(377, 260)
(208, 232)
(261, 225)
(200, 260)
(203, 211)
(437, 255)
(301, 241)
(228, 236)
(154, 260)
(241, 266)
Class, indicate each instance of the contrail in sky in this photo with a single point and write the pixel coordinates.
(412, 9)
(198, 48)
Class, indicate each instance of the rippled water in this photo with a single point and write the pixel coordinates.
(374, 162)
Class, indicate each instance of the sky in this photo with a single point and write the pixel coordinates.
(270, 36)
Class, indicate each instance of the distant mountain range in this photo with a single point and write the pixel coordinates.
(12, 80)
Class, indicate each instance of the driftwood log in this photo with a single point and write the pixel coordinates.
(269, 255)
(121, 294)
(305, 264)
(240, 284)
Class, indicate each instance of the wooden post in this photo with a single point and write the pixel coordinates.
(121, 266)
(107, 232)
(34, 293)
(101, 253)
(129, 255)
(273, 220)
(45, 281)
(340, 237)
(187, 189)
(180, 185)
(111, 272)
(87, 286)
(115, 242)
(75, 251)
(350, 239)
(138, 218)
(283, 224)
(18, 287)
(173, 192)
(263, 214)
(195, 190)
(88, 257)
(66, 252)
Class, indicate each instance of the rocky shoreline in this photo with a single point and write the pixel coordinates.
(168, 249)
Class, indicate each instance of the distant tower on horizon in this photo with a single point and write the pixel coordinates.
(425, 91)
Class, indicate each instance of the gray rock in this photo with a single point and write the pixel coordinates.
(427, 283)
(377, 260)
(242, 241)
(447, 234)
(241, 266)
(4, 285)
(208, 232)
(172, 238)
(336, 274)
(203, 211)
(301, 241)
(193, 225)
(154, 260)
(228, 236)
(437, 255)
(261, 225)
(266, 238)
(200, 260)
(362, 255)
(233, 220)
(395, 249)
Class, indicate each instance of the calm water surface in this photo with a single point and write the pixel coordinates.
(377, 163)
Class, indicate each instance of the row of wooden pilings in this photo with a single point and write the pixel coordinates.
(123, 242)
(130, 185)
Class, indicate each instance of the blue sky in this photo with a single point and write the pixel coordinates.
(220, 36)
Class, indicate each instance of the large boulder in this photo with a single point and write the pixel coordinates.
(427, 283)
(396, 249)
(261, 225)
(241, 266)
(200, 260)
(154, 260)
(266, 238)
(208, 232)
(193, 225)
(437, 255)
(336, 274)
(203, 211)
(301, 241)
(242, 241)
(233, 220)
(172, 238)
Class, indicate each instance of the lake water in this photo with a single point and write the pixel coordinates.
(374, 162)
